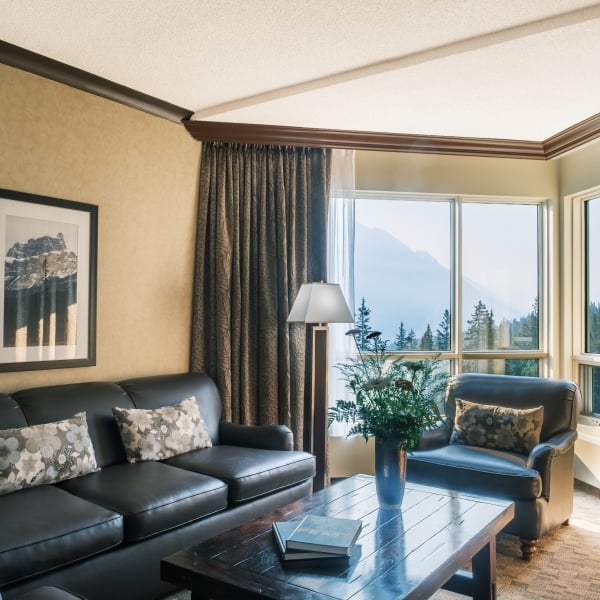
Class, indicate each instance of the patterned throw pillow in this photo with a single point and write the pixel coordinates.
(40, 454)
(497, 427)
(163, 432)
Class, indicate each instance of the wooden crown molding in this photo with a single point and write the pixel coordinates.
(361, 140)
(564, 141)
(572, 137)
(49, 68)
(245, 133)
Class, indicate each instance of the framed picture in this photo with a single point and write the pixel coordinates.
(48, 293)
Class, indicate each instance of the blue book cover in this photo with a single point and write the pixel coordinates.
(282, 530)
(325, 534)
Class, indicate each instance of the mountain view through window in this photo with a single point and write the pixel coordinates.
(407, 260)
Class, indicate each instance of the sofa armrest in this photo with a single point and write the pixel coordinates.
(542, 456)
(437, 436)
(267, 437)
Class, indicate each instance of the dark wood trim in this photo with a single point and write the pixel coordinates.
(573, 137)
(319, 405)
(244, 133)
(26, 60)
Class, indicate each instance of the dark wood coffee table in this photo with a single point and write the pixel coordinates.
(400, 554)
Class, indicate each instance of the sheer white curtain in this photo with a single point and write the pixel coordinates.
(340, 266)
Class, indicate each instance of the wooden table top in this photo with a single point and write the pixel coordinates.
(400, 554)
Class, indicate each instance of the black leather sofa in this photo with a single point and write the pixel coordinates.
(540, 482)
(102, 535)
(48, 592)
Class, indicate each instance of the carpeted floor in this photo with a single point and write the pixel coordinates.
(565, 567)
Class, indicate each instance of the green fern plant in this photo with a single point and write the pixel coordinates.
(394, 399)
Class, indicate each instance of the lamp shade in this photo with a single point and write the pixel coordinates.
(320, 303)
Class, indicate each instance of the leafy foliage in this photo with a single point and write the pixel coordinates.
(394, 399)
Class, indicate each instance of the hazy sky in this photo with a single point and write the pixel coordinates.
(499, 242)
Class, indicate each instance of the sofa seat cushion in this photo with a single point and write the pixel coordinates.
(478, 470)
(249, 472)
(152, 497)
(44, 528)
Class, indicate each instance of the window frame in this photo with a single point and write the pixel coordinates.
(456, 356)
(580, 358)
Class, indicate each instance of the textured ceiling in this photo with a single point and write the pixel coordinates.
(516, 69)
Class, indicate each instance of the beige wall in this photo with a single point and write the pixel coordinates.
(436, 173)
(578, 170)
(142, 172)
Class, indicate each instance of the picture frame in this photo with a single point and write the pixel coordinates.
(48, 283)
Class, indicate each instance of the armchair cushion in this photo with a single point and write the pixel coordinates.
(497, 427)
(477, 470)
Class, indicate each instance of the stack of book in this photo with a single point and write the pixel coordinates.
(315, 537)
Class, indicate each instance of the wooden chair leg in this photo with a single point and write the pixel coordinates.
(528, 548)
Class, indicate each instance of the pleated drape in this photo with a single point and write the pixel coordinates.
(262, 230)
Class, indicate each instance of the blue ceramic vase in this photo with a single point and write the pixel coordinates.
(390, 473)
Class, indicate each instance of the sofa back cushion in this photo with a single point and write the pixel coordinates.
(96, 399)
(11, 414)
(561, 399)
(159, 390)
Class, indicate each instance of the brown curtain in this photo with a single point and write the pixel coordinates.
(262, 222)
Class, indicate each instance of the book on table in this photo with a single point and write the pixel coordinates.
(282, 530)
(325, 537)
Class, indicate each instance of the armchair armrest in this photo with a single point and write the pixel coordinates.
(267, 437)
(542, 456)
(437, 436)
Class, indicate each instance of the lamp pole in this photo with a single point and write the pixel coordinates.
(318, 303)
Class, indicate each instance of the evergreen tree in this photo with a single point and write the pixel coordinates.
(400, 340)
(442, 335)
(529, 330)
(362, 324)
(427, 339)
(476, 336)
(411, 340)
(490, 327)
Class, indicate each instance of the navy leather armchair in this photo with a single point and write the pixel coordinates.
(540, 482)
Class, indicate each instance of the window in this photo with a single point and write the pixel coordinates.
(419, 261)
(592, 242)
(402, 274)
(587, 356)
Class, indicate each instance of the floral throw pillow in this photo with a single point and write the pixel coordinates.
(163, 432)
(497, 427)
(47, 453)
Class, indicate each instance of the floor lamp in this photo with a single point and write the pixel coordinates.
(318, 304)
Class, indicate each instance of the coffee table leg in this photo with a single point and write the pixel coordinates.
(484, 572)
